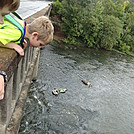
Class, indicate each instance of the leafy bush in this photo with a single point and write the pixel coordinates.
(125, 48)
(105, 24)
(56, 7)
(112, 29)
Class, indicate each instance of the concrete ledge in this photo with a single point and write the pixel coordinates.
(8, 61)
(14, 123)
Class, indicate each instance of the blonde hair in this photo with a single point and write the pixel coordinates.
(12, 4)
(43, 26)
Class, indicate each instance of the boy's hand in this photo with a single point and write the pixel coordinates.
(1, 87)
(24, 44)
(16, 47)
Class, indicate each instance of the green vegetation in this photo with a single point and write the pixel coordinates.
(106, 24)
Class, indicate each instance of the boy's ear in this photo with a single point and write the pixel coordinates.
(35, 34)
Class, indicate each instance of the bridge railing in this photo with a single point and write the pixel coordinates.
(14, 86)
(20, 72)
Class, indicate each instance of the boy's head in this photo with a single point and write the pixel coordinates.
(41, 31)
(7, 6)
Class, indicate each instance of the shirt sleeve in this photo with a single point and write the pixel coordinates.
(8, 34)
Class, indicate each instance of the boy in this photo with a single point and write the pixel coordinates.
(39, 32)
(6, 6)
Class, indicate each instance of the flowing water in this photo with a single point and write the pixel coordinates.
(105, 108)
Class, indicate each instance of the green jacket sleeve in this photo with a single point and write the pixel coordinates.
(9, 34)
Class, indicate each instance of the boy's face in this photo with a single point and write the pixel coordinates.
(4, 11)
(34, 42)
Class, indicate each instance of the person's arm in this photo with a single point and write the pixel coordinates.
(1, 87)
(3, 78)
(7, 36)
(24, 44)
(14, 46)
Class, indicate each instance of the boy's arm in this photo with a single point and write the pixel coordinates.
(3, 78)
(14, 46)
(8, 34)
(1, 87)
(24, 44)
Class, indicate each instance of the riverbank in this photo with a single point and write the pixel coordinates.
(60, 37)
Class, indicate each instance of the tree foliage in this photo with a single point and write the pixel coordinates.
(104, 24)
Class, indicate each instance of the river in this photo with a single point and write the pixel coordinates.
(105, 108)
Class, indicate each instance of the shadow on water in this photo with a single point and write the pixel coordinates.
(105, 108)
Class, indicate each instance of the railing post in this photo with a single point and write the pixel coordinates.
(35, 72)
